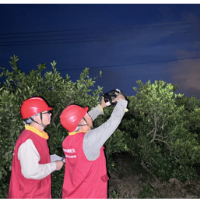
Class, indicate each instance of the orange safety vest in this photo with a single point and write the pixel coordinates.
(83, 178)
(21, 187)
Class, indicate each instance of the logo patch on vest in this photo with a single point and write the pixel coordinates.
(70, 156)
(69, 150)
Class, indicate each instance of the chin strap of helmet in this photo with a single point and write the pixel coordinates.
(87, 124)
(37, 122)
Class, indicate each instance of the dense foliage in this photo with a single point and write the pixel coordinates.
(58, 92)
(160, 130)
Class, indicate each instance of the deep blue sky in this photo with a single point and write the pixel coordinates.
(127, 42)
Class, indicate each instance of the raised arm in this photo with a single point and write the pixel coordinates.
(98, 110)
(96, 138)
(95, 112)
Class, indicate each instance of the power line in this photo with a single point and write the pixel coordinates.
(82, 33)
(94, 39)
(142, 63)
(101, 39)
(159, 24)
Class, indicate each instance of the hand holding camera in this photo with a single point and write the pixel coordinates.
(111, 98)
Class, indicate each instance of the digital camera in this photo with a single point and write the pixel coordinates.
(110, 96)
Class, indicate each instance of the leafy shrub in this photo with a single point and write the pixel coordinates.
(158, 131)
(161, 130)
(58, 92)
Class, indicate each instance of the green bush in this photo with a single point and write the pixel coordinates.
(58, 92)
(161, 131)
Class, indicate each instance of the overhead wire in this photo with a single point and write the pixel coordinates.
(106, 38)
(82, 33)
(158, 24)
(94, 39)
(39, 36)
(141, 63)
(84, 39)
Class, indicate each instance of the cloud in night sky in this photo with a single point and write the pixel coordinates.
(186, 73)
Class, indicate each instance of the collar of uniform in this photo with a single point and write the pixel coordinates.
(73, 133)
(36, 131)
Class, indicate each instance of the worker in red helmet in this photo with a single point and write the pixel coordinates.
(31, 166)
(85, 164)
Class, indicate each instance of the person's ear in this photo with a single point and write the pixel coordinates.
(36, 118)
(81, 122)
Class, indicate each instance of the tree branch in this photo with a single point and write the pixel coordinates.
(161, 141)
(161, 136)
(155, 129)
(5, 128)
(150, 132)
(55, 115)
(148, 170)
(163, 126)
(176, 159)
(72, 101)
(154, 160)
(195, 127)
(141, 146)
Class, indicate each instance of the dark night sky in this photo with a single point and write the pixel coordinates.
(127, 42)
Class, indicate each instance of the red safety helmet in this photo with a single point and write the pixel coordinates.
(71, 116)
(33, 106)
